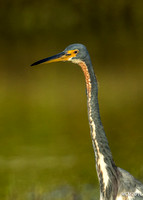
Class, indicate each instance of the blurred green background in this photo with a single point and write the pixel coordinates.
(45, 145)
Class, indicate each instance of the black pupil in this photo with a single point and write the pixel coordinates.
(75, 51)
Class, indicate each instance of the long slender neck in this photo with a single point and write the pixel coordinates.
(105, 166)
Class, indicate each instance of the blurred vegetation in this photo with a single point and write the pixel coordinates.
(43, 109)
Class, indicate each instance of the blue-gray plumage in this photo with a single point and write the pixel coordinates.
(115, 183)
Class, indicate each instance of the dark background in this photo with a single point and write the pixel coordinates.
(45, 145)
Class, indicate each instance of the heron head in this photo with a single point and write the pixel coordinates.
(74, 53)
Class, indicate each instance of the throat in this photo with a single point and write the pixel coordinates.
(87, 78)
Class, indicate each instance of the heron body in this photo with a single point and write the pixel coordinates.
(115, 183)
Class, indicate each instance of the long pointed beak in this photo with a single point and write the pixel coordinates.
(63, 56)
(58, 57)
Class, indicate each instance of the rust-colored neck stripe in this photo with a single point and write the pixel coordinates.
(87, 77)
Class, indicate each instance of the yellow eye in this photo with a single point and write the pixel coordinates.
(76, 52)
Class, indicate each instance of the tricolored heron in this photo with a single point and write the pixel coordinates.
(115, 183)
